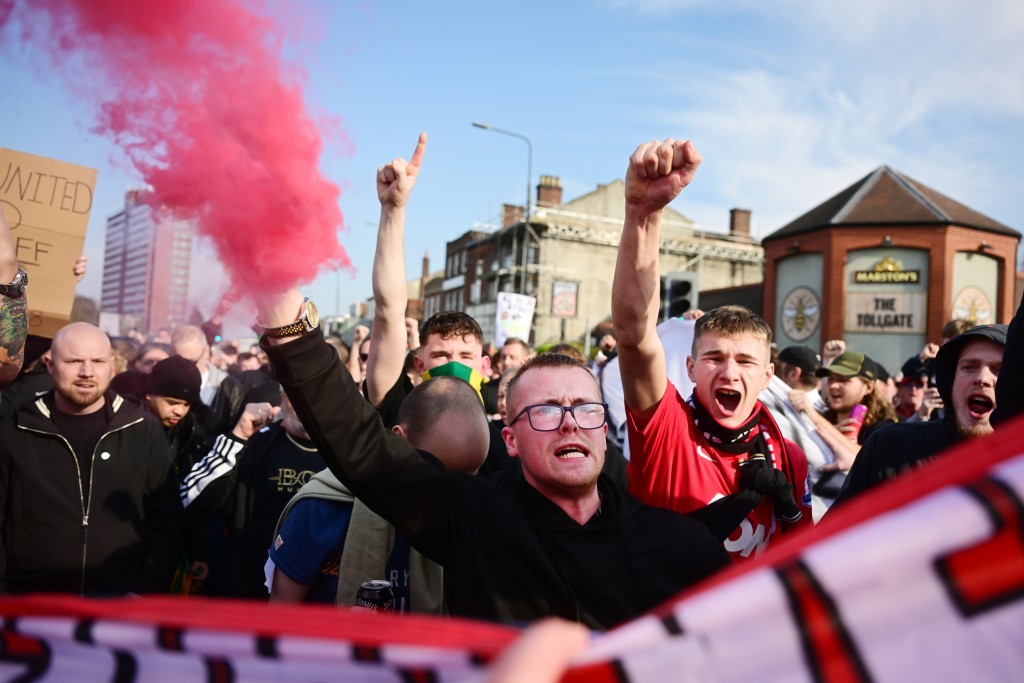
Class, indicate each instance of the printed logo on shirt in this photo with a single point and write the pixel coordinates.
(701, 453)
(289, 480)
(750, 541)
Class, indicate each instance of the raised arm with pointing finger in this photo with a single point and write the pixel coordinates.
(388, 342)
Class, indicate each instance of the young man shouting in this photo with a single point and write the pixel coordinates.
(722, 443)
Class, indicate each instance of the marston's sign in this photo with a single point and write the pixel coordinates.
(887, 271)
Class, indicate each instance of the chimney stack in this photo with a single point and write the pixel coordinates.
(739, 223)
(510, 215)
(423, 279)
(549, 191)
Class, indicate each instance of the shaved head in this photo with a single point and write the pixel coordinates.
(81, 363)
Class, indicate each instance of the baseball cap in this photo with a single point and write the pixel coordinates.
(176, 377)
(849, 364)
(800, 357)
(876, 369)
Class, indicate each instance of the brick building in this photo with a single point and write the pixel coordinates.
(565, 257)
(884, 264)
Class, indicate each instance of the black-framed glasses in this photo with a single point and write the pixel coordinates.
(547, 417)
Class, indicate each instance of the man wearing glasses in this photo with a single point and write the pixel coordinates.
(561, 540)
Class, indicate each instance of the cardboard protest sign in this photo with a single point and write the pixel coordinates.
(46, 202)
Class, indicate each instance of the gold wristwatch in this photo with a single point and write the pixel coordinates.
(308, 321)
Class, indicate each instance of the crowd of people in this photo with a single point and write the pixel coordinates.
(485, 483)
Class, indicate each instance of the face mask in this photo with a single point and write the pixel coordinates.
(456, 369)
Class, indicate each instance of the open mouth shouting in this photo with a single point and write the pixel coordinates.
(728, 400)
(979, 406)
(571, 452)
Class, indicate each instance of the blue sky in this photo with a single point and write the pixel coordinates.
(789, 102)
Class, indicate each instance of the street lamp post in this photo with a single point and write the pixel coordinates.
(529, 176)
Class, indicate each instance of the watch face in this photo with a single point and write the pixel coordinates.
(311, 314)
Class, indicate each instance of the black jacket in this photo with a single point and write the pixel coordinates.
(508, 552)
(231, 482)
(28, 386)
(189, 444)
(895, 449)
(1010, 389)
(900, 447)
(123, 538)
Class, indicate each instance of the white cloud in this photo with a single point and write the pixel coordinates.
(819, 94)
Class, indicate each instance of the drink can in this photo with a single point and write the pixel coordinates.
(857, 420)
(376, 595)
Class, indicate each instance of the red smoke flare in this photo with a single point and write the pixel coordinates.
(197, 94)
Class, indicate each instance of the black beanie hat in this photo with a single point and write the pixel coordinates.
(176, 377)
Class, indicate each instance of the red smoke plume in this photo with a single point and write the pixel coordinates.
(197, 94)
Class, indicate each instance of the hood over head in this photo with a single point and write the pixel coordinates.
(949, 354)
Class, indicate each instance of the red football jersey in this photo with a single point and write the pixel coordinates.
(673, 466)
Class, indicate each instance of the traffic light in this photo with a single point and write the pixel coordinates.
(678, 294)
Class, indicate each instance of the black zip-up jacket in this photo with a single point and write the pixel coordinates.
(508, 552)
(123, 538)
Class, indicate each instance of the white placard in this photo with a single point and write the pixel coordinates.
(514, 317)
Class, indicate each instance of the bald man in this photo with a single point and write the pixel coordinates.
(91, 474)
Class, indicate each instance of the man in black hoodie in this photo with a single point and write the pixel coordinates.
(966, 372)
(561, 540)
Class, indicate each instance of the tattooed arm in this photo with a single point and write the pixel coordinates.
(13, 318)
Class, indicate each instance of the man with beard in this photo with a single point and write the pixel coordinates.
(87, 491)
(722, 443)
(966, 372)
